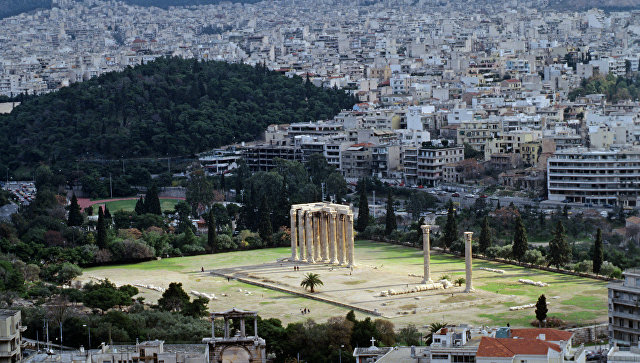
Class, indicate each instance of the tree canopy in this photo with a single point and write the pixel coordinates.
(169, 106)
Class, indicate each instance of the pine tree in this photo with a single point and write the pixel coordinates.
(559, 250)
(450, 228)
(101, 228)
(498, 205)
(541, 309)
(152, 202)
(520, 242)
(264, 227)
(140, 206)
(75, 216)
(597, 252)
(212, 234)
(363, 208)
(485, 235)
(390, 219)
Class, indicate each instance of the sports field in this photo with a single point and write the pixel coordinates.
(381, 267)
(129, 205)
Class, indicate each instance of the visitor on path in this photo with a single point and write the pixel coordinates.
(202, 269)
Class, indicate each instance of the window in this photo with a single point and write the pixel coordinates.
(463, 359)
(439, 356)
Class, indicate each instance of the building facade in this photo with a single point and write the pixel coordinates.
(608, 177)
(624, 310)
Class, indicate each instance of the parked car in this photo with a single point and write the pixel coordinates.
(456, 195)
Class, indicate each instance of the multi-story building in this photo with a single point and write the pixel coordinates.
(356, 160)
(11, 336)
(624, 310)
(431, 161)
(604, 177)
(261, 157)
(478, 132)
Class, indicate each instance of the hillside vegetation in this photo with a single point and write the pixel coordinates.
(167, 107)
(14, 7)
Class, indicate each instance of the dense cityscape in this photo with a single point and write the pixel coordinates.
(319, 181)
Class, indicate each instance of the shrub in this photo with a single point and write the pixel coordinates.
(492, 251)
(505, 251)
(534, 257)
(583, 266)
(611, 270)
(192, 249)
(225, 242)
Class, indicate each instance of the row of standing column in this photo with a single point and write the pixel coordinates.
(322, 236)
(468, 253)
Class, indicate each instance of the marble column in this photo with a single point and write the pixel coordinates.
(301, 235)
(316, 237)
(467, 260)
(426, 248)
(332, 236)
(324, 237)
(348, 226)
(308, 227)
(340, 238)
(294, 235)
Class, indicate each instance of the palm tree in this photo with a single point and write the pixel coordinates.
(310, 281)
(434, 328)
(459, 281)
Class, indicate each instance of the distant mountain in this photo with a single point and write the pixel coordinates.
(170, 106)
(14, 7)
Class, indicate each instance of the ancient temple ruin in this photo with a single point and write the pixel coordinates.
(322, 233)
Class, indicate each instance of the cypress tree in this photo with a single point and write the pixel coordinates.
(223, 185)
(264, 228)
(450, 228)
(107, 217)
(559, 251)
(363, 208)
(284, 206)
(541, 309)
(498, 205)
(597, 252)
(485, 235)
(390, 218)
(75, 216)
(212, 234)
(152, 202)
(520, 242)
(101, 228)
(140, 207)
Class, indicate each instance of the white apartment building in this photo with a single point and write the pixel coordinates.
(624, 314)
(431, 162)
(603, 177)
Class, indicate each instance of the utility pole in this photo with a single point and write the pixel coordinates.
(322, 186)
(110, 186)
(123, 165)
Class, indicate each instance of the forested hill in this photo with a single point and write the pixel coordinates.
(167, 3)
(170, 106)
(14, 7)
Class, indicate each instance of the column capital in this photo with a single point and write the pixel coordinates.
(332, 213)
(468, 236)
(425, 228)
(293, 212)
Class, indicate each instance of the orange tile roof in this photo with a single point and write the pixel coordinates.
(553, 335)
(509, 347)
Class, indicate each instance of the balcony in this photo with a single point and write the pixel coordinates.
(625, 302)
(620, 314)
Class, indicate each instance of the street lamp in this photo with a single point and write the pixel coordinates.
(340, 356)
(89, 330)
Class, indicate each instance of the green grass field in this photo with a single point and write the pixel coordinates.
(573, 299)
(130, 205)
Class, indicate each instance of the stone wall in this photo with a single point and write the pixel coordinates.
(588, 334)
